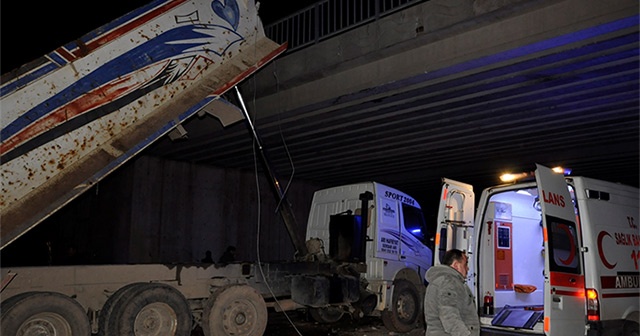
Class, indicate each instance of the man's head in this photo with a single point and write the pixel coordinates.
(458, 260)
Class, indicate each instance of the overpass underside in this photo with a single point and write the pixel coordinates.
(451, 88)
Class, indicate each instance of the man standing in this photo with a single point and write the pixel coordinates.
(449, 307)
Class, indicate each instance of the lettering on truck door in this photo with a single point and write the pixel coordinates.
(564, 290)
(389, 226)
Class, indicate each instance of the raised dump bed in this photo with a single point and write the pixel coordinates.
(76, 114)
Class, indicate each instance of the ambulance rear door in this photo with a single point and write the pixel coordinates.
(564, 291)
(455, 219)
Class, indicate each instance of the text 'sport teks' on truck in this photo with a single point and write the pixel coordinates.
(74, 116)
(557, 255)
(392, 243)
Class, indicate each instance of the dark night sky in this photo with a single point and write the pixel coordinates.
(31, 29)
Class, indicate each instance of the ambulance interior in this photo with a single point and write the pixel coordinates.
(511, 265)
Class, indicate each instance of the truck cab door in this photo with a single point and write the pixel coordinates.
(564, 291)
(388, 227)
(455, 219)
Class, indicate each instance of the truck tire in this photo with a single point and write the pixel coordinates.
(107, 309)
(326, 315)
(43, 313)
(148, 309)
(237, 310)
(406, 308)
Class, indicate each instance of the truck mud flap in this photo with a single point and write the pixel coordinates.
(326, 290)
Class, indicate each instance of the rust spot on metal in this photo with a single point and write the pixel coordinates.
(83, 50)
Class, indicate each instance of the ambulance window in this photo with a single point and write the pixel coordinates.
(414, 222)
(563, 245)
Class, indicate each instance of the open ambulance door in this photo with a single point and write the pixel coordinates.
(564, 292)
(455, 219)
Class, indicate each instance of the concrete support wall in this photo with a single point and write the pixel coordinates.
(158, 211)
(180, 210)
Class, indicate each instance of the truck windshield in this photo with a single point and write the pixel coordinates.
(414, 223)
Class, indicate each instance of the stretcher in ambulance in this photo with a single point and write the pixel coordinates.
(557, 255)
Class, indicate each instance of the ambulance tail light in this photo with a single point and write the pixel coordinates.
(593, 305)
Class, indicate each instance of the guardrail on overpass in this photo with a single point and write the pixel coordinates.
(328, 18)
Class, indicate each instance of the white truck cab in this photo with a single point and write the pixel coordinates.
(556, 255)
(393, 245)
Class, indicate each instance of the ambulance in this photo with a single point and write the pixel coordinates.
(555, 255)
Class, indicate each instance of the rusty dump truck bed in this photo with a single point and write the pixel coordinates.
(75, 115)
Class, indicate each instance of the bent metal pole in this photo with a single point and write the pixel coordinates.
(284, 207)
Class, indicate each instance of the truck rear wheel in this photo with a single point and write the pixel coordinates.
(405, 308)
(237, 310)
(107, 309)
(43, 313)
(326, 315)
(149, 309)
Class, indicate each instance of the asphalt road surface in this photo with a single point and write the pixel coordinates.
(298, 324)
